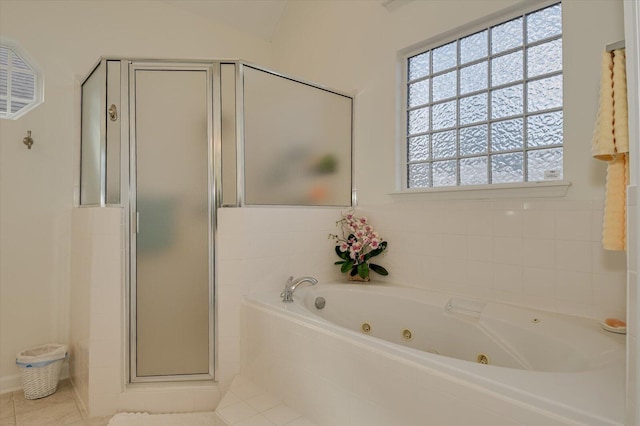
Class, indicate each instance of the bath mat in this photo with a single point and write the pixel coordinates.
(146, 419)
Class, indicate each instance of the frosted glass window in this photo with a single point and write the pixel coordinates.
(507, 168)
(444, 115)
(489, 102)
(544, 94)
(507, 135)
(506, 69)
(507, 102)
(418, 121)
(544, 58)
(297, 141)
(20, 83)
(473, 171)
(419, 148)
(444, 173)
(474, 47)
(419, 175)
(473, 109)
(419, 93)
(544, 129)
(473, 140)
(445, 57)
(544, 23)
(473, 78)
(419, 65)
(506, 36)
(542, 160)
(444, 144)
(444, 86)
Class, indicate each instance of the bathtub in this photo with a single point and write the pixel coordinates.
(472, 361)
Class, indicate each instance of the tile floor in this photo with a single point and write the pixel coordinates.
(246, 404)
(59, 409)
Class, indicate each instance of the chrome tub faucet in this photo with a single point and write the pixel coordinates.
(292, 284)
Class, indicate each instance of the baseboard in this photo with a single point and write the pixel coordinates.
(12, 383)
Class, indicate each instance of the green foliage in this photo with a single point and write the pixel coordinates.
(363, 270)
(346, 266)
(378, 269)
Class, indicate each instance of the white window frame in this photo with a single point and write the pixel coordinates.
(34, 70)
(545, 188)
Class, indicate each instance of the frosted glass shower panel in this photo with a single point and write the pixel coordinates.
(297, 142)
(93, 136)
(228, 133)
(100, 136)
(113, 119)
(172, 243)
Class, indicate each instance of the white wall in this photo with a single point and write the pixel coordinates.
(66, 38)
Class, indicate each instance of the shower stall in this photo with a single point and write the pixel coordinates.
(171, 142)
(147, 145)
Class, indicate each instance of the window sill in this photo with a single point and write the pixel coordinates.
(556, 188)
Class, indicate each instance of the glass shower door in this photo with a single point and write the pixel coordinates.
(172, 244)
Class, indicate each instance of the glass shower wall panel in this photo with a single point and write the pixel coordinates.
(172, 243)
(228, 132)
(92, 136)
(113, 120)
(297, 142)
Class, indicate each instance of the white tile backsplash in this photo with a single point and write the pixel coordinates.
(507, 223)
(539, 224)
(479, 222)
(573, 225)
(509, 246)
(538, 253)
(507, 250)
(480, 248)
(573, 255)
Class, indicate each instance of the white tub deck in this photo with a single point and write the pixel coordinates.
(580, 377)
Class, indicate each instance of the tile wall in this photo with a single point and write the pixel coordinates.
(545, 254)
(96, 307)
(540, 253)
(258, 248)
(98, 326)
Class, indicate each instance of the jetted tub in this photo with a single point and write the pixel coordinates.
(565, 366)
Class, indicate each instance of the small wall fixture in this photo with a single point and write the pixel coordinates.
(28, 140)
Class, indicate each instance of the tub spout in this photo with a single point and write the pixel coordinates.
(292, 284)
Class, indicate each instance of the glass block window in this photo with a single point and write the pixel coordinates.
(20, 83)
(486, 108)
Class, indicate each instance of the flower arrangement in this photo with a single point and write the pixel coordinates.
(356, 245)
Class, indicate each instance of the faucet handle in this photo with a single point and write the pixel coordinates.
(286, 286)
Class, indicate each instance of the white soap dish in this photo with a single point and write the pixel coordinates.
(618, 330)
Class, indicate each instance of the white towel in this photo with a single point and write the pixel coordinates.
(611, 143)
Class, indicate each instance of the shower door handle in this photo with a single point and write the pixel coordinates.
(137, 222)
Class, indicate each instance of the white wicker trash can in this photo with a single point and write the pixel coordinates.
(40, 367)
